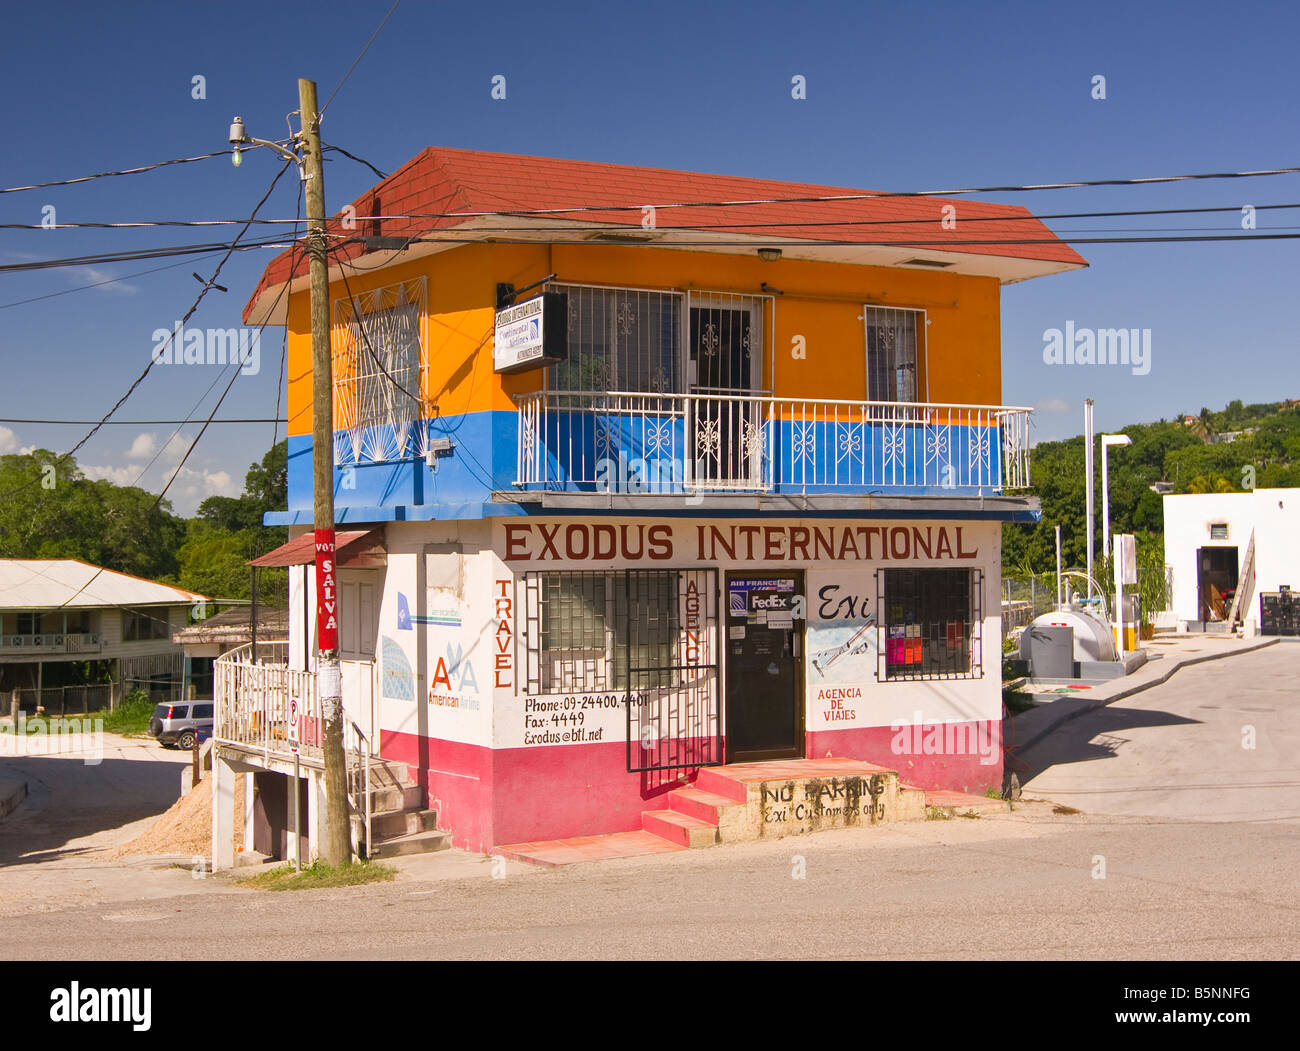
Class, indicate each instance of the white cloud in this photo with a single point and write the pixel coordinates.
(116, 475)
(1052, 405)
(176, 448)
(144, 446)
(191, 487)
(89, 276)
(8, 440)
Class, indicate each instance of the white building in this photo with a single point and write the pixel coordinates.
(1217, 543)
(58, 612)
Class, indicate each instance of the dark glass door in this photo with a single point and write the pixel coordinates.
(764, 669)
(721, 353)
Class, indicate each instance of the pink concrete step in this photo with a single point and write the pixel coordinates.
(731, 780)
(713, 781)
(693, 802)
(681, 829)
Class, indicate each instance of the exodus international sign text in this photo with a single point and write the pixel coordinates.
(558, 542)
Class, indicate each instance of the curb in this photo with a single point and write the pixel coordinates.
(1087, 704)
(12, 793)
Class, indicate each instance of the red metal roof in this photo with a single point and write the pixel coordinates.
(441, 180)
(352, 547)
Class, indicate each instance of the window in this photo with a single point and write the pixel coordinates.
(380, 365)
(620, 340)
(358, 617)
(1219, 531)
(202, 711)
(141, 626)
(930, 624)
(595, 631)
(895, 353)
(200, 675)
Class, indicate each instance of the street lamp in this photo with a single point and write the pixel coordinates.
(241, 140)
(1107, 440)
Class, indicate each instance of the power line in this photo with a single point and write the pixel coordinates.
(592, 226)
(124, 171)
(132, 423)
(93, 284)
(748, 202)
(153, 358)
(151, 253)
(902, 242)
(355, 62)
(236, 373)
(359, 160)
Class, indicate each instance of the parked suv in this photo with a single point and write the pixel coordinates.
(182, 723)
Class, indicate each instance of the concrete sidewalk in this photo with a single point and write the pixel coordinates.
(1167, 652)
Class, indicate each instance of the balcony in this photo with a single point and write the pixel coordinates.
(710, 444)
(50, 643)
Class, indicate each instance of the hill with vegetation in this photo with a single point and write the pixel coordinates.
(52, 510)
(1242, 447)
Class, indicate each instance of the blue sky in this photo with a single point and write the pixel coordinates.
(900, 97)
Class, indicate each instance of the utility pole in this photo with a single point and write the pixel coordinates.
(1088, 441)
(329, 679)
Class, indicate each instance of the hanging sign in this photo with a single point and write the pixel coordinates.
(531, 334)
(327, 601)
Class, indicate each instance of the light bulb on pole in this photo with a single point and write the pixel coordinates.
(1107, 440)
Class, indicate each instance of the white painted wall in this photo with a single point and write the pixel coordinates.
(1277, 542)
(1273, 515)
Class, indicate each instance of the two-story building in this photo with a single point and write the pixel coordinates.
(58, 614)
(643, 472)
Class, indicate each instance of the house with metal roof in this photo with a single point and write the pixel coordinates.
(673, 487)
(60, 612)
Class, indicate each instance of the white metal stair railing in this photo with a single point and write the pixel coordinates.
(258, 704)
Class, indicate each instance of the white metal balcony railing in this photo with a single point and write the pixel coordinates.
(49, 642)
(267, 708)
(715, 442)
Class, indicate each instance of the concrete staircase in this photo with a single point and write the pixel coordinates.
(748, 801)
(754, 801)
(399, 824)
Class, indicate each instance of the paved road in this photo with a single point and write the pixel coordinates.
(1210, 876)
(1176, 751)
(969, 889)
(81, 798)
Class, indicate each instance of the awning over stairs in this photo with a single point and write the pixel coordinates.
(361, 548)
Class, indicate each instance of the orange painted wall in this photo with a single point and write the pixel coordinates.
(822, 302)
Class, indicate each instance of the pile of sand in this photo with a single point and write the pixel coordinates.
(185, 827)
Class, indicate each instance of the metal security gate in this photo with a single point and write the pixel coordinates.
(673, 698)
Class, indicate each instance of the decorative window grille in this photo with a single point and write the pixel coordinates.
(895, 353)
(591, 627)
(930, 624)
(650, 635)
(381, 360)
(620, 339)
